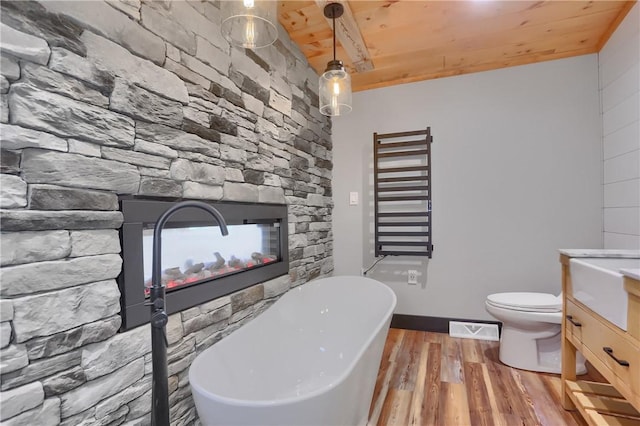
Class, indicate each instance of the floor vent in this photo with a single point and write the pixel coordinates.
(474, 330)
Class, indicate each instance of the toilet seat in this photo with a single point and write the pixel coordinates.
(520, 317)
(526, 302)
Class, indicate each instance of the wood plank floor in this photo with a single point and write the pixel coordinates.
(433, 379)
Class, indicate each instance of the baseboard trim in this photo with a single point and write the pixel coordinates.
(432, 324)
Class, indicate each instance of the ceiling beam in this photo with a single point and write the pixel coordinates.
(349, 35)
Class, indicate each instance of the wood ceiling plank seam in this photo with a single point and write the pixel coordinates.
(490, 55)
(300, 19)
(316, 36)
(574, 40)
(360, 84)
(594, 22)
(401, 13)
(480, 57)
(291, 6)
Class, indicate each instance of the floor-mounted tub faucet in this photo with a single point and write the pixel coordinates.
(159, 318)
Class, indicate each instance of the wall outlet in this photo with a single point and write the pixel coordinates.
(412, 276)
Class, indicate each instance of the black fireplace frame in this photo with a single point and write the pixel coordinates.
(140, 212)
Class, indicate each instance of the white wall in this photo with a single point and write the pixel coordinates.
(619, 63)
(516, 175)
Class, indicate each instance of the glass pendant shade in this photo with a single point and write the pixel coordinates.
(335, 90)
(249, 23)
(335, 82)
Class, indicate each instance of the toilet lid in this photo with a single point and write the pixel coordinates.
(523, 301)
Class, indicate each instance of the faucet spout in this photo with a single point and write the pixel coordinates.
(159, 318)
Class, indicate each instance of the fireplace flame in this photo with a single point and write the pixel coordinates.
(173, 278)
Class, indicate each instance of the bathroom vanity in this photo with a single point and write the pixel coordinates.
(601, 320)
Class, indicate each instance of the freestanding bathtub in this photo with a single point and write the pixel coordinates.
(310, 359)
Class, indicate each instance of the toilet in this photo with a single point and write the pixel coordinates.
(531, 330)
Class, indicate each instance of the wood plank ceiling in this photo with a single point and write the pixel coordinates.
(407, 41)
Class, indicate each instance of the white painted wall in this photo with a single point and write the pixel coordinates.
(517, 168)
(619, 63)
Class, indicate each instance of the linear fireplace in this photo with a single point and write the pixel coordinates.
(198, 264)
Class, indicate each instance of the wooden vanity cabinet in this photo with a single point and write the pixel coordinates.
(615, 353)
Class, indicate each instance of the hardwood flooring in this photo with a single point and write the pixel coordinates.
(433, 379)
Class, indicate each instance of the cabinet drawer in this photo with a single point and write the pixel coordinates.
(574, 317)
(608, 343)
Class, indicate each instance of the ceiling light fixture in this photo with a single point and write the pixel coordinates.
(249, 23)
(335, 83)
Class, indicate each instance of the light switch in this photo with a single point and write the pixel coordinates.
(353, 198)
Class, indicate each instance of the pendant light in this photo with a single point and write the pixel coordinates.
(249, 23)
(335, 83)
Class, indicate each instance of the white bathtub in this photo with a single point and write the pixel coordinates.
(310, 359)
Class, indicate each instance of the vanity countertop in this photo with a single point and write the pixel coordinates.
(631, 273)
(630, 254)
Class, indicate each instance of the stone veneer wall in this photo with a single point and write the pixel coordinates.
(101, 98)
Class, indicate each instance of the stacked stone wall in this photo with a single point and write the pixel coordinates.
(106, 98)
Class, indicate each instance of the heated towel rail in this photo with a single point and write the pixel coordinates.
(402, 193)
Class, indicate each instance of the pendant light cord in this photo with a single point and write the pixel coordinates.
(333, 18)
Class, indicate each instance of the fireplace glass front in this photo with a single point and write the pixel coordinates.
(198, 263)
(191, 255)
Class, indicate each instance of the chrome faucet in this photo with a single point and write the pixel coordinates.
(159, 318)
